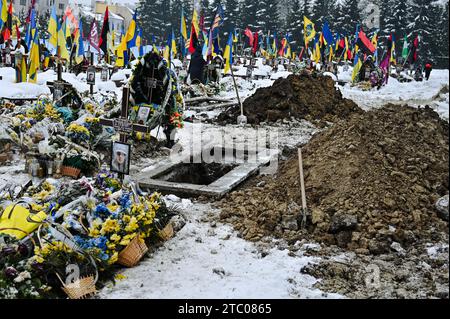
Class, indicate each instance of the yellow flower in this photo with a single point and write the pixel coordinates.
(38, 259)
(112, 207)
(94, 232)
(120, 277)
(132, 225)
(110, 225)
(125, 242)
(115, 238)
(111, 246)
(126, 218)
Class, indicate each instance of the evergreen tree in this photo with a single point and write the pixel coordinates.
(422, 22)
(339, 23)
(443, 53)
(321, 11)
(387, 23)
(248, 11)
(232, 15)
(155, 19)
(306, 8)
(400, 16)
(350, 16)
(294, 24)
(267, 15)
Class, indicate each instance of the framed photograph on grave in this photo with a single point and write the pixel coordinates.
(58, 91)
(104, 74)
(120, 158)
(142, 115)
(90, 75)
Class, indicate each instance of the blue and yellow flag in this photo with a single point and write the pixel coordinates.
(4, 12)
(132, 33)
(79, 56)
(183, 27)
(62, 44)
(228, 54)
(31, 29)
(357, 66)
(34, 59)
(53, 28)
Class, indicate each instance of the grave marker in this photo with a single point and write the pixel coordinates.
(122, 125)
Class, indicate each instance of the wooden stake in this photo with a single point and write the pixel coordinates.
(302, 180)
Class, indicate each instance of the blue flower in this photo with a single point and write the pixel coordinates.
(125, 201)
(102, 211)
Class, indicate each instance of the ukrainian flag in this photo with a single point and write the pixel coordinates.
(228, 55)
(132, 33)
(120, 52)
(4, 12)
(34, 59)
(183, 27)
(53, 28)
(62, 44)
(21, 71)
(357, 66)
(80, 44)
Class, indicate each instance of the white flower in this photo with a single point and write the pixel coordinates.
(22, 276)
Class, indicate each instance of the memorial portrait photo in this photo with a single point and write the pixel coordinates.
(120, 158)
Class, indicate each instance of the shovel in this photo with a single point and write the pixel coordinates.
(304, 210)
(242, 119)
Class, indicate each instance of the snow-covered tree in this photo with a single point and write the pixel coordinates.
(422, 18)
(294, 24)
(154, 18)
(400, 18)
(267, 15)
(232, 15)
(321, 11)
(248, 12)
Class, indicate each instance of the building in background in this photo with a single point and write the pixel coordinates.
(116, 11)
(21, 7)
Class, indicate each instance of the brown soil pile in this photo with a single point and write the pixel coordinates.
(310, 97)
(370, 181)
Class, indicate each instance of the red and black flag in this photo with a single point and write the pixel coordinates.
(414, 50)
(193, 43)
(365, 45)
(103, 42)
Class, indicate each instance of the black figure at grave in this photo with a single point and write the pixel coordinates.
(197, 66)
(150, 89)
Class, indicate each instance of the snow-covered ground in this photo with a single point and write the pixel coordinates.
(412, 93)
(207, 259)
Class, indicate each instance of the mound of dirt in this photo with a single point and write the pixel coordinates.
(310, 97)
(372, 181)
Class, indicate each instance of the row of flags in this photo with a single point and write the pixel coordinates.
(66, 36)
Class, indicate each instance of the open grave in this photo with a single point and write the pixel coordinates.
(214, 171)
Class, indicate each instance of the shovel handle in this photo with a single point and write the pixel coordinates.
(302, 180)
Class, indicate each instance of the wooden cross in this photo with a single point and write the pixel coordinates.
(152, 84)
(122, 125)
(59, 85)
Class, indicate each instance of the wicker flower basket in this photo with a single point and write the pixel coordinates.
(80, 289)
(70, 171)
(166, 233)
(133, 253)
